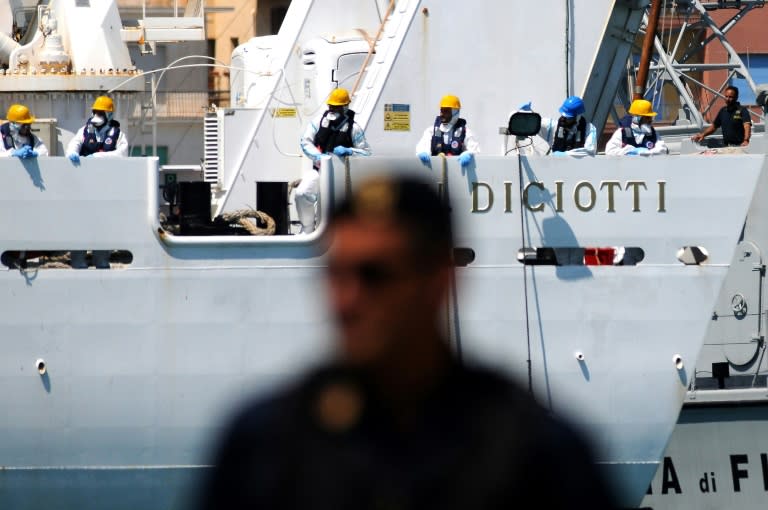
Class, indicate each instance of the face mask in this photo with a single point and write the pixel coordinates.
(98, 120)
(636, 119)
(336, 112)
(645, 128)
(570, 122)
(446, 119)
(14, 127)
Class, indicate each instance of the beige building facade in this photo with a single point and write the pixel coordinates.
(197, 74)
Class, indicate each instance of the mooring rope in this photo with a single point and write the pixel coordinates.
(243, 217)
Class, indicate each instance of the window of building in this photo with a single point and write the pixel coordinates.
(276, 16)
(758, 68)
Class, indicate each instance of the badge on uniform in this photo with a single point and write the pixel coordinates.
(454, 144)
(649, 145)
(108, 141)
(339, 406)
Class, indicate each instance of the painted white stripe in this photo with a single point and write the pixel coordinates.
(102, 468)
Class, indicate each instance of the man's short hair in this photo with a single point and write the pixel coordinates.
(734, 89)
(408, 201)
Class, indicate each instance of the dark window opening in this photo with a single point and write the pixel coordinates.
(581, 256)
(62, 259)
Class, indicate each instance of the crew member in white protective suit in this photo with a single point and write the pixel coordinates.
(571, 134)
(17, 137)
(639, 138)
(449, 135)
(100, 137)
(333, 132)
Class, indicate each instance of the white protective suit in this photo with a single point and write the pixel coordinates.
(121, 150)
(615, 146)
(19, 141)
(308, 192)
(471, 144)
(549, 128)
(100, 257)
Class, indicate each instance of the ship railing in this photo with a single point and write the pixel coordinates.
(181, 105)
(151, 29)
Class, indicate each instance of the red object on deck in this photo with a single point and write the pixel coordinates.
(599, 256)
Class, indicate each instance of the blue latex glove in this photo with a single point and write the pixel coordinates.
(558, 154)
(31, 153)
(74, 158)
(20, 153)
(525, 107)
(424, 157)
(638, 151)
(342, 151)
(465, 158)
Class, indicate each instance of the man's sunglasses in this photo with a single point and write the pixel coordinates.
(370, 273)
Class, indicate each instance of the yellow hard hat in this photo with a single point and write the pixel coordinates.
(103, 104)
(450, 102)
(20, 114)
(642, 107)
(338, 97)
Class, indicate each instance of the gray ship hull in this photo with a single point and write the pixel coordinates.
(717, 458)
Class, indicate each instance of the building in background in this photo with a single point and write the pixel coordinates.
(196, 76)
(748, 38)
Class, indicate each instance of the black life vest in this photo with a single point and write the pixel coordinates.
(455, 138)
(628, 138)
(5, 131)
(331, 134)
(566, 139)
(90, 144)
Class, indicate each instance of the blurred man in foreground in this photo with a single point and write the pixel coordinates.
(394, 420)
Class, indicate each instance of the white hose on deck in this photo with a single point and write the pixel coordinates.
(7, 45)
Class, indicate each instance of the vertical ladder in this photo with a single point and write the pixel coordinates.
(211, 148)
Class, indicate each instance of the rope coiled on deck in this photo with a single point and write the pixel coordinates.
(244, 217)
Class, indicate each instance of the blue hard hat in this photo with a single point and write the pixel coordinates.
(572, 106)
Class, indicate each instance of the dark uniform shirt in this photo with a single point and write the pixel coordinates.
(732, 124)
(476, 442)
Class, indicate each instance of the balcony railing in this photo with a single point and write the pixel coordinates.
(183, 105)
